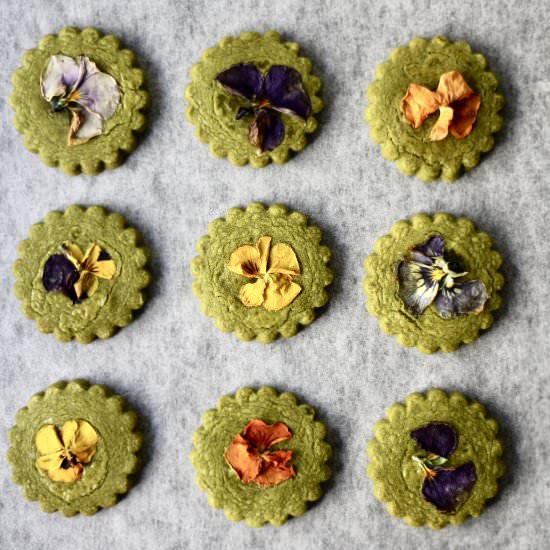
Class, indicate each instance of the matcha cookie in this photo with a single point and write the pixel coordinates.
(81, 273)
(261, 272)
(74, 447)
(79, 100)
(433, 108)
(435, 459)
(260, 456)
(433, 282)
(253, 99)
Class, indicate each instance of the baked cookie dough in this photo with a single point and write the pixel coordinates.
(273, 432)
(443, 323)
(74, 447)
(261, 272)
(81, 273)
(253, 98)
(435, 459)
(413, 149)
(45, 125)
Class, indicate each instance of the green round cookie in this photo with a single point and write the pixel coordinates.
(115, 459)
(212, 110)
(45, 132)
(254, 504)
(397, 479)
(429, 332)
(423, 62)
(113, 303)
(218, 289)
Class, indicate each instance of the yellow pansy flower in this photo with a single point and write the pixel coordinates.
(273, 268)
(90, 267)
(64, 454)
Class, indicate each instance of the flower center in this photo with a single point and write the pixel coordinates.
(262, 103)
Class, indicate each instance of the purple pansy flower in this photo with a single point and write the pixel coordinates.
(446, 488)
(426, 277)
(281, 90)
(90, 95)
(60, 275)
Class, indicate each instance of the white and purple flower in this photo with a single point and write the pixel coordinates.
(426, 277)
(280, 90)
(90, 95)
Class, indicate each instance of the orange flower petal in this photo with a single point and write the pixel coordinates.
(417, 104)
(452, 87)
(243, 459)
(263, 435)
(465, 114)
(440, 129)
(275, 468)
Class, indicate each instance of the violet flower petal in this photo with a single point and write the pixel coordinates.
(99, 94)
(59, 75)
(433, 247)
(242, 80)
(284, 90)
(59, 274)
(461, 299)
(438, 438)
(417, 290)
(266, 131)
(449, 488)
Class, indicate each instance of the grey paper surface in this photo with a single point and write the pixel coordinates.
(172, 364)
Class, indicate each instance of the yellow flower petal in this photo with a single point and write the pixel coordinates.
(50, 462)
(283, 260)
(47, 440)
(417, 104)
(66, 475)
(91, 256)
(440, 129)
(280, 292)
(252, 294)
(84, 441)
(73, 253)
(452, 87)
(92, 285)
(86, 283)
(263, 247)
(68, 433)
(245, 261)
(105, 269)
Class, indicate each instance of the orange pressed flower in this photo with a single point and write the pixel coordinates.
(458, 106)
(250, 458)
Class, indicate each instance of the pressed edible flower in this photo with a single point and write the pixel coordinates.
(75, 273)
(90, 95)
(446, 488)
(279, 90)
(273, 268)
(250, 458)
(64, 453)
(458, 105)
(426, 277)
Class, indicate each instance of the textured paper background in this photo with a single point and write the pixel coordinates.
(172, 364)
